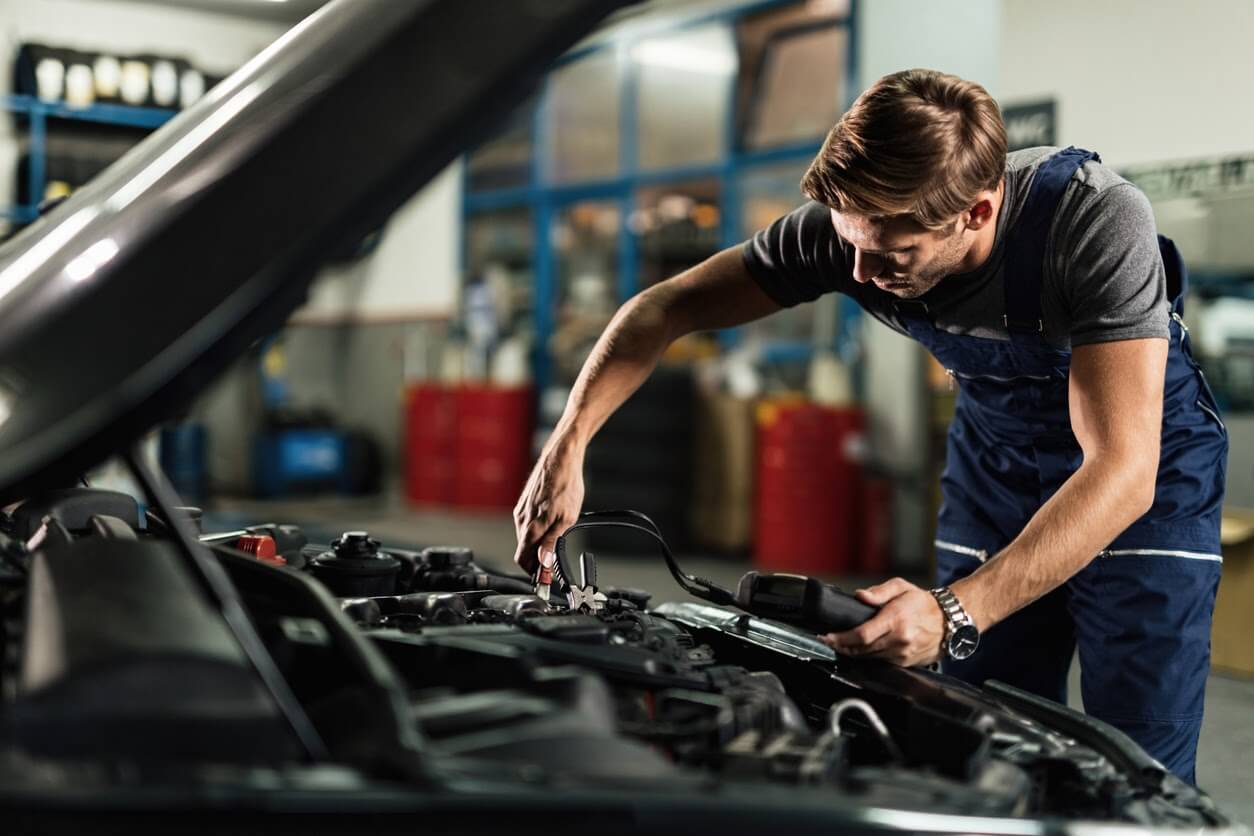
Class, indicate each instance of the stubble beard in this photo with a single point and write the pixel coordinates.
(945, 263)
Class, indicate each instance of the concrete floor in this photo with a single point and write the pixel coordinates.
(1225, 755)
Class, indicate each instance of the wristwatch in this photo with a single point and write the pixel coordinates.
(961, 635)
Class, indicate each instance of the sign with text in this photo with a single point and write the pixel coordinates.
(1030, 124)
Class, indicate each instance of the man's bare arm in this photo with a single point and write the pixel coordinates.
(1116, 403)
(718, 293)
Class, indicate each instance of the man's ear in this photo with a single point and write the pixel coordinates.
(979, 215)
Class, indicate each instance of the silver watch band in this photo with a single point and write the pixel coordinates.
(955, 615)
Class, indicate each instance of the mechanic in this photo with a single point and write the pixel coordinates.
(1085, 462)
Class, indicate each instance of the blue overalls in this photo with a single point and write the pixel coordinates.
(1140, 612)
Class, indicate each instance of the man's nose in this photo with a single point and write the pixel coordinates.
(866, 266)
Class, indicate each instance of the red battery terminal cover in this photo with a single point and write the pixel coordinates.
(262, 547)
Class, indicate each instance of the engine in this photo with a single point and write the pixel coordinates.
(430, 665)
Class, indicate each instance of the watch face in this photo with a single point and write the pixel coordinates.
(963, 642)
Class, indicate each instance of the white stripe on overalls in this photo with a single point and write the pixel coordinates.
(1160, 553)
(982, 555)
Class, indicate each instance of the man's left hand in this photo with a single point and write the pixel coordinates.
(907, 630)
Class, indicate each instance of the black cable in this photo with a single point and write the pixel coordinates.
(700, 587)
(215, 581)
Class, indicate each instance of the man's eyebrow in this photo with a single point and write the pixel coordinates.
(875, 252)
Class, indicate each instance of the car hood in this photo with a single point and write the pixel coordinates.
(117, 307)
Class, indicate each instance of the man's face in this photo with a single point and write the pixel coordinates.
(898, 254)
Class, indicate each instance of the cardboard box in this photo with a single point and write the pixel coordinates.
(722, 502)
(1232, 634)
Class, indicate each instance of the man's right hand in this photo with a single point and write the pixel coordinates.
(717, 293)
(550, 503)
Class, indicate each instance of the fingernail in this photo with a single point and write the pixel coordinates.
(547, 559)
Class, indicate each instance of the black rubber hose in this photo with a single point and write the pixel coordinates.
(1113, 744)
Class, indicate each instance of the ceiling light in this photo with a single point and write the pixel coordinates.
(674, 55)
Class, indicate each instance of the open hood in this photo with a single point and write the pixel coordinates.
(121, 304)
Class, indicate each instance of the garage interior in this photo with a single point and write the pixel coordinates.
(412, 392)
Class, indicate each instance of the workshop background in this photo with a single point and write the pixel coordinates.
(410, 394)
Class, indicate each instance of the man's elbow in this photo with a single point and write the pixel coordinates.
(1141, 479)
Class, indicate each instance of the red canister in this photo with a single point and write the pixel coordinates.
(430, 444)
(494, 429)
(809, 483)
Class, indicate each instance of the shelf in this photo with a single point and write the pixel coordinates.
(19, 214)
(104, 114)
(38, 113)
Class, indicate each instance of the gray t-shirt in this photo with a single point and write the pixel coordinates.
(1103, 277)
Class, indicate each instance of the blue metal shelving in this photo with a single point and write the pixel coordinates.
(545, 199)
(38, 112)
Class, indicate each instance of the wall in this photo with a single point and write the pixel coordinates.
(355, 372)
(413, 274)
(961, 37)
(214, 42)
(346, 346)
(1137, 82)
(1141, 86)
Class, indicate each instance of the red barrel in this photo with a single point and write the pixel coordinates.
(430, 444)
(494, 429)
(873, 540)
(808, 487)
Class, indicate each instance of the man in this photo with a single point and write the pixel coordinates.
(1085, 464)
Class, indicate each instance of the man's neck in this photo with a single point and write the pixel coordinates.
(986, 236)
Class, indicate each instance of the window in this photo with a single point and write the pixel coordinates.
(766, 193)
(505, 160)
(501, 245)
(585, 242)
(684, 84)
(581, 121)
(793, 66)
(648, 151)
(677, 225)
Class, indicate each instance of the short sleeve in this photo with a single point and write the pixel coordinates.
(1113, 280)
(798, 258)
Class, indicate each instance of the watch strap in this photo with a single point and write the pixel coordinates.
(951, 608)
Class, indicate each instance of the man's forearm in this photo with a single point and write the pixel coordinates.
(718, 293)
(623, 357)
(1093, 507)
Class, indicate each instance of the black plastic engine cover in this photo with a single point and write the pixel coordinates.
(74, 508)
(122, 654)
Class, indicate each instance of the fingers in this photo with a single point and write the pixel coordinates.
(549, 505)
(853, 641)
(536, 538)
(546, 551)
(537, 543)
(883, 647)
(881, 594)
(906, 631)
(525, 557)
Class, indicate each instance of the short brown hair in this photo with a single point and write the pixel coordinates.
(919, 143)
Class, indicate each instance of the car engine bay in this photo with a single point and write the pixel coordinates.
(430, 669)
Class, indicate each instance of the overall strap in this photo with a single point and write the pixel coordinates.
(1177, 276)
(1025, 255)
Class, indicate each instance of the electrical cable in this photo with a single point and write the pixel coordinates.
(634, 520)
